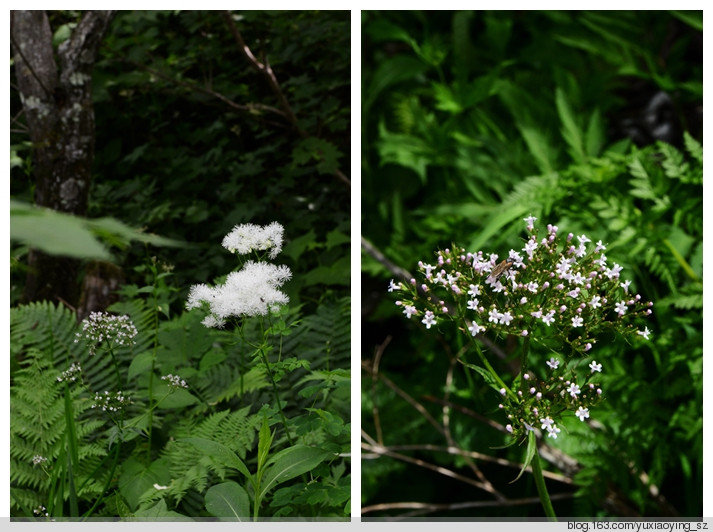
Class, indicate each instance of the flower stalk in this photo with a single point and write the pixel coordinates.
(557, 294)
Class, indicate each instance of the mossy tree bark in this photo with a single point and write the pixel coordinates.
(55, 89)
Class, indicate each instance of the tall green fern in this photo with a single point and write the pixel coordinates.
(38, 428)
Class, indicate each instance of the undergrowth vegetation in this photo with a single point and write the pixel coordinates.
(175, 419)
(473, 122)
(169, 448)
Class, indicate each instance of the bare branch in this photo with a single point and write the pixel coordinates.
(251, 108)
(266, 71)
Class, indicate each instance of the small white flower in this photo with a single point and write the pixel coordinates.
(620, 308)
(174, 381)
(429, 319)
(410, 310)
(101, 327)
(582, 413)
(475, 328)
(71, 373)
(553, 431)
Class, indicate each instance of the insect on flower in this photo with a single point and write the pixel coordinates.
(501, 268)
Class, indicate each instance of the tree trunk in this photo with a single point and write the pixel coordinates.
(60, 117)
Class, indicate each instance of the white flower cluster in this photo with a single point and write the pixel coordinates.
(245, 238)
(38, 459)
(113, 402)
(174, 381)
(251, 291)
(103, 327)
(254, 290)
(71, 373)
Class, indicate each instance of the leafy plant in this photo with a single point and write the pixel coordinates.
(167, 449)
(473, 121)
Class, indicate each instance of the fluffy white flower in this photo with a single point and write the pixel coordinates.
(251, 291)
(245, 238)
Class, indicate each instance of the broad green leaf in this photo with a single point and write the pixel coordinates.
(136, 479)
(289, 463)
(570, 129)
(336, 273)
(228, 499)
(160, 512)
(58, 233)
(300, 244)
(595, 136)
(140, 364)
(264, 443)
(173, 398)
(120, 234)
(391, 72)
(54, 233)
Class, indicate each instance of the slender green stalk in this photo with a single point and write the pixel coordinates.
(149, 429)
(119, 382)
(490, 369)
(72, 450)
(110, 479)
(73, 502)
(541, 487)
(523, 362)
(263, 355)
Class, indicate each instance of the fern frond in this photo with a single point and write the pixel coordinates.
(643, 185)
(251, 381)
(661, 264)
(673, 163)
(691, 297)
(190, 468)
(43, 326)
(693, 147)
(38, 427)
(324, 338)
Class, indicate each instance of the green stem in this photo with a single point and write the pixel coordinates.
(523, 362)
(149, 429)
(72, 451)
(492, 371)
(110, 479)
(277, 396)
(541, 487)
(119, 383)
